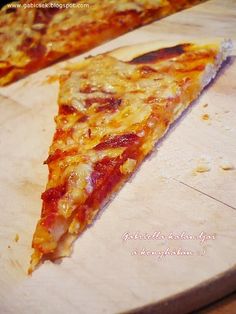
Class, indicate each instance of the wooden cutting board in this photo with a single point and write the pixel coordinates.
(107, 272)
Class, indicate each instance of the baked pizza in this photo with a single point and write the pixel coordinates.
(113, 108)
(35, 33)
(178, 5)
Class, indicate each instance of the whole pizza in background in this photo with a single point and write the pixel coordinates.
(34, 34)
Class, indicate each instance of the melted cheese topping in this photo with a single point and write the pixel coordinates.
(119, 98)
(142, 93)
(116, 99)
(78, 186)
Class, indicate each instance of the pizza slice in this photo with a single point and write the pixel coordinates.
(183, 4)
(113, 108)
(34, 34)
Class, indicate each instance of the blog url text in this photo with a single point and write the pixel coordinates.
(48, 5)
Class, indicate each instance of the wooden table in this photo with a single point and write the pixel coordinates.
(166, 195)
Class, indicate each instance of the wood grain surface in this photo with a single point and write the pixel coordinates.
(167, 195)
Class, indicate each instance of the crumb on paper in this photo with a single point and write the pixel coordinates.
(202, 168)
(17, 237)
(205, 116)
(226, 165)
(9, 246)
(205, 105)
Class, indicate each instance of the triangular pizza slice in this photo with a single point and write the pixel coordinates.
(113, 108)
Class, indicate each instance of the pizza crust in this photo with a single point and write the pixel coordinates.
(224, 46)
(127, 53)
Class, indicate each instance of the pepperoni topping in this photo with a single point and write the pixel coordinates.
(197, 68)
(27, 41)
(53, 194)
(62, 134)
(66, 109)
(152, 99)
(109, 103)
(59, 154)
(5, 70)
(81, 212)
(145, 70)
(83, 119)
(48, 220)
(10, 10)
(161, 54)
(45, 15)
(26, 44)
(50, 200)
(102, 169)
(105, 176)
(90, 101)
(36, 52)
(123, 140)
